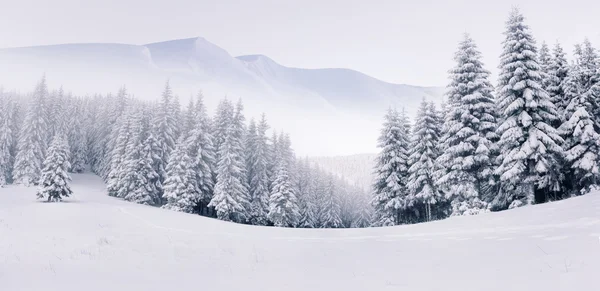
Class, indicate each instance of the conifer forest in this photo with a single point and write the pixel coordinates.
(532, 137)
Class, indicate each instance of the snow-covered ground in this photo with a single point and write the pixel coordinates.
(95, 242)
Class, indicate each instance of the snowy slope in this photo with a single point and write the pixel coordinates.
(309, 103)
(343, 88)
(94, 242)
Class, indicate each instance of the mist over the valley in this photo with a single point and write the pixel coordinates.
(326, 111)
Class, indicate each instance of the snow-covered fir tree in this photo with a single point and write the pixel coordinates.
(231, 199)
(582, 142)
(108, 131)
(364, 212)
(6, 137)
(179, 119)
(423, 153)
(152, 156)
(530, 148)
(18, 116)
(98, 129)
(330, 216)
(180, 190)
(121, 136)
(558, 69)
(318, 186)
(55, 114)
(77, 137)
(32, 143)
(544, 60)
(190, 116)
(221, 122)
(251, 137)
(306, 194)
(586, 72)
(272, 156)
(391, 171)
(466, 163)
(257, 153)
(202, 153)
(54, 182)
(138, 180)
(283, 203)
(166, 120)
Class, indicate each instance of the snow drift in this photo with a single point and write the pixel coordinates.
(95, 242)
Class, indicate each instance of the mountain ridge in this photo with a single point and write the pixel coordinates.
(340, 107)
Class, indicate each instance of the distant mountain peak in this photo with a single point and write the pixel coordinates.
(189, 47)
(307, 102)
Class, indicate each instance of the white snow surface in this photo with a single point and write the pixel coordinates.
(95, 242)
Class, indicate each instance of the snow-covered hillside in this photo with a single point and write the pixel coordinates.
(342, 108)
(95, 242)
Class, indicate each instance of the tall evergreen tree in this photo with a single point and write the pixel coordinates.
(178, 118)
(423, 153)
(139, 181)
(582, 142)
(364, 213)
(77, 138)
(586, 71)
(32, 139)
(558, 70)
(190, 117)
(258, 171)
(530, 148)
(108, 132)
(6, 138)
(391, 171)
(166, 122)
(54, 182)
(544, 60)
(306, 194)
(202, 153)
(466, 163)
(180, 189)
(16, 125)
(272, 158)
(231, 199)
(251, 139)
(331, 213)
(55, 114)
(222, 120)
(115, 159)
(151, 154)
(283, 203)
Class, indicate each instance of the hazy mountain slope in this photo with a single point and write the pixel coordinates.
(343, 88)
(342, 108)
(95, 242)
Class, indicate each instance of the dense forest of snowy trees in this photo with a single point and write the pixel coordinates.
(532, 139)
(163, 155)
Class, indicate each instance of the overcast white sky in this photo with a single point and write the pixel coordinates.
(398, 41)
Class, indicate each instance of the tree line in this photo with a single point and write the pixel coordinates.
(533, 138)
(161, 154)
